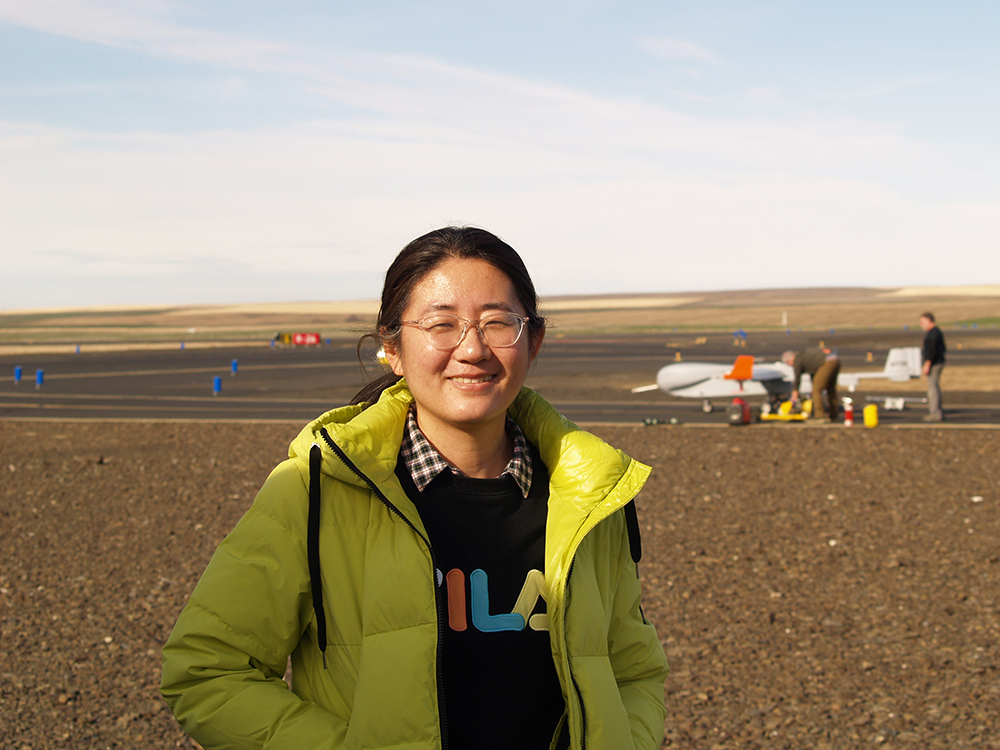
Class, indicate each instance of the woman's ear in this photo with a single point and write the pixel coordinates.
(392, 358)
(535, 344)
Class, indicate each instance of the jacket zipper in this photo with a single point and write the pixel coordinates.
(569, 668)
(583, 712)
(438, 600)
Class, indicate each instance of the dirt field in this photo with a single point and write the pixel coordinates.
(824, 588)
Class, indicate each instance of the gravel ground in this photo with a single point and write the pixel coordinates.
(814, 587)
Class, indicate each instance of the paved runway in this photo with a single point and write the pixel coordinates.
(588, 379)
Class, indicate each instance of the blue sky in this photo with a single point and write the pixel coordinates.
(174, 152)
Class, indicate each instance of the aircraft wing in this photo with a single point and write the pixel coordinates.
(769, 372)
(776, 378)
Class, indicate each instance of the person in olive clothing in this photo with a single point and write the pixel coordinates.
(448, 563)
(823, 366)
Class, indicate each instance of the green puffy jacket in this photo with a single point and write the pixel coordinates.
(252, 608)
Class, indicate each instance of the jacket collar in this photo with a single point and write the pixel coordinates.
(589, 478)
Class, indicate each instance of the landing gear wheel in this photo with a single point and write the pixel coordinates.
(706, 406)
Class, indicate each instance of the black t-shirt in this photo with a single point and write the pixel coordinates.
(500, 685)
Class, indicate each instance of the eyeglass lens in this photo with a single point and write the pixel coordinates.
(448, 331)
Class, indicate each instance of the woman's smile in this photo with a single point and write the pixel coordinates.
(471, 380)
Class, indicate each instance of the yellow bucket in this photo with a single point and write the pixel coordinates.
(871, 415)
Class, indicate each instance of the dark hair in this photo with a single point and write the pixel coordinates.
(929, 316)
(423, 255)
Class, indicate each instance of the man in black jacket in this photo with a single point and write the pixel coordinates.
(932, 355)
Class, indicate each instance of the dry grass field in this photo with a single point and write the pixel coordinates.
(758, 310)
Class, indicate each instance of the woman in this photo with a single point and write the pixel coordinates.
(448, 562)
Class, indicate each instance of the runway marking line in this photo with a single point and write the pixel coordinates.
(193, 370)
(70, 397)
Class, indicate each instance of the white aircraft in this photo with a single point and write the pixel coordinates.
(707, 380)
(901, 364)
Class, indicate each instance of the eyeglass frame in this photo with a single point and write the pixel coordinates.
(466, 324)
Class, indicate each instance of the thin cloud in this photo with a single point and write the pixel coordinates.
(145, 25)
(391, 84)
(889, 87)
(679, 49)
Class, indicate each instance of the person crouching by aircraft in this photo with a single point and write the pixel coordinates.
(823, 367)
(448, 562)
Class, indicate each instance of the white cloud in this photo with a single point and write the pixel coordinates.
(302, 209)
(144, 25)
(679, 49)
(601, 193)
(883, 88)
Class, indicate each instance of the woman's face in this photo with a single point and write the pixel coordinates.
(470, 386)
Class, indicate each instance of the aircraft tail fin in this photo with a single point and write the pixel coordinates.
(742, 368)
(903, 363)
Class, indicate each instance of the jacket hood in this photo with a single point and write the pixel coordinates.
(370, 433)
(589, 479)
(585, 472)
(587, 475)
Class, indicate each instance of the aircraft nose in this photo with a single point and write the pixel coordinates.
(680, 375)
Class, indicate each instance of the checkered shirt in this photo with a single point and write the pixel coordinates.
(424, 462)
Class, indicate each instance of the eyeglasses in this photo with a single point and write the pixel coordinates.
(445, 332)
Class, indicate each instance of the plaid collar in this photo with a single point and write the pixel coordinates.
(424, 462)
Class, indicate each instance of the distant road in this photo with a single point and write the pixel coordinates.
(586, 378)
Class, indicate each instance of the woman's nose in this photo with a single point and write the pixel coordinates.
(473, 345)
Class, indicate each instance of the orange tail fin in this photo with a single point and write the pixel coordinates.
(742, 368)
